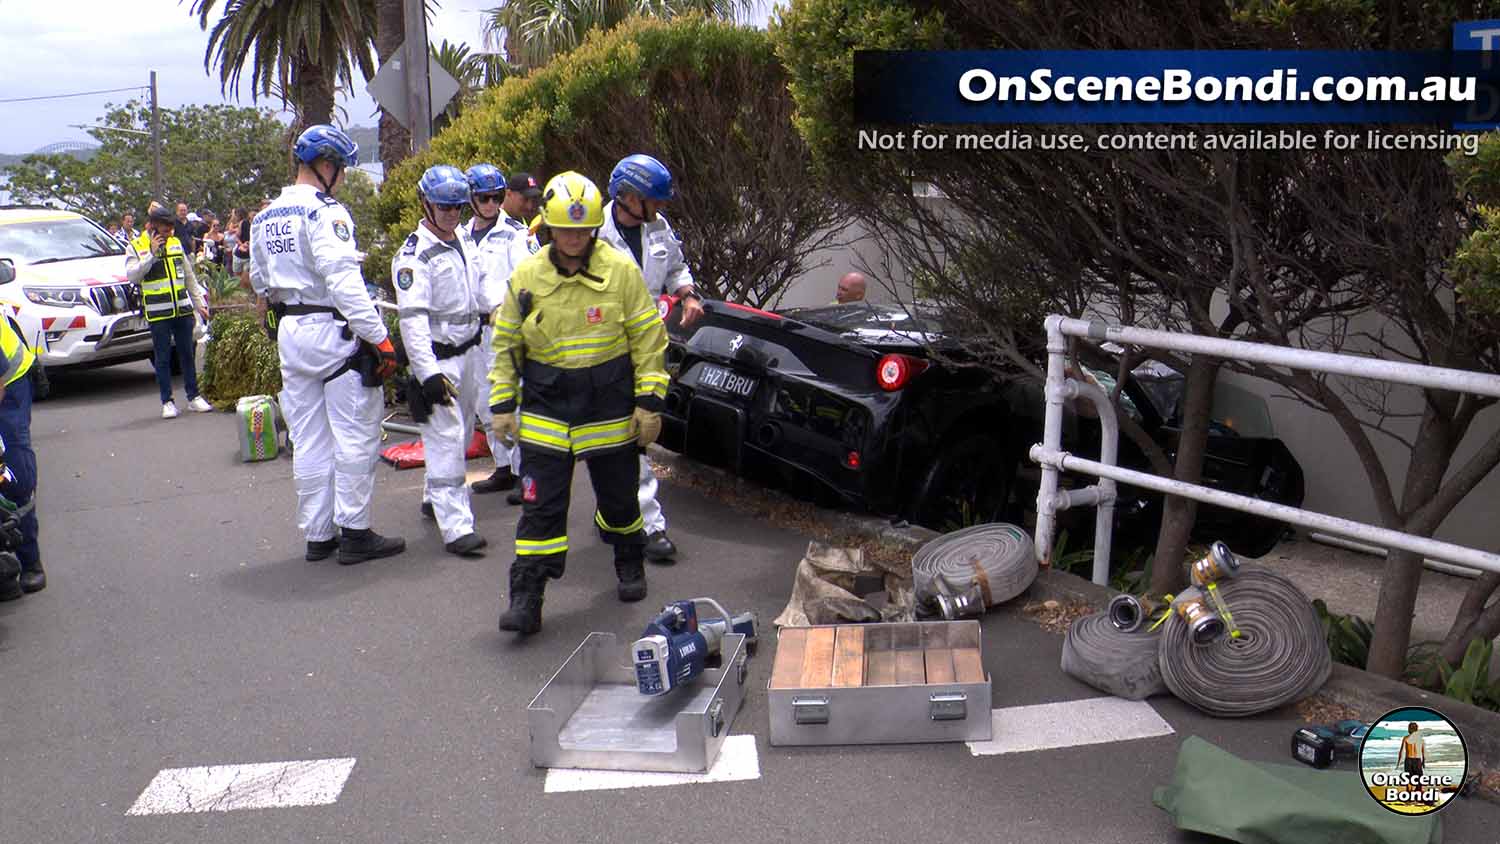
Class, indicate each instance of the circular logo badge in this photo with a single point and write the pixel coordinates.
(576, 211)
(404, 278)
(1413, 760)
(341, 229)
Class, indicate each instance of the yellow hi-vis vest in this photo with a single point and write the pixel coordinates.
(15, 356)
(164, 290)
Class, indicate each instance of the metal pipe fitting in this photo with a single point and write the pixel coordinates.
(1218, 564)
(966, 604)
(1204, 625)
(1126, 613)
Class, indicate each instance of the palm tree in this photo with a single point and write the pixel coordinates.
(531, 32)
(306, 47)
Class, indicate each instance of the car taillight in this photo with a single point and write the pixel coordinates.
(893, 371)
(851, 460)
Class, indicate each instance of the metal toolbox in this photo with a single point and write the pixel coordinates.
(879, 684)
(590, 714)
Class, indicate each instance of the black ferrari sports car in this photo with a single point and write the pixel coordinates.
(845, 405)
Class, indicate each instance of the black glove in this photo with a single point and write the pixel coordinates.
(436, 390)
(10, 531)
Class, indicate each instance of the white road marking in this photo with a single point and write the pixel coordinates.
(1098, 720)
(221, 788)
(738, 760)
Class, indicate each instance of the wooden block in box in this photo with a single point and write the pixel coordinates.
(879, 684)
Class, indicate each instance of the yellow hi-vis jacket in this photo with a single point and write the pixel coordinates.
(590, 349)
(15, 356)
(164, 287)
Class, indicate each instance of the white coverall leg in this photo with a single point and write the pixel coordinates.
(651, 514)
(445, 439)
(334, 426)
(504, 456)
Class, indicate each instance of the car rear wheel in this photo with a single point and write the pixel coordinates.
(969, 483)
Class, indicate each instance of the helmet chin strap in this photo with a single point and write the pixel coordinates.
(639, 220)
(432, 223)
(327, 183)
(488, 221)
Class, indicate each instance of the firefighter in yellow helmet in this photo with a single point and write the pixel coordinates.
(578, 341)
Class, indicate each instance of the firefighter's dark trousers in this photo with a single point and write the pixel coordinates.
(546, 489)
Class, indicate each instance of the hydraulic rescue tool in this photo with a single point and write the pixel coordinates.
(675, 646)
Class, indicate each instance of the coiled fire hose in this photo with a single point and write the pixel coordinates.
(1115, 652)
(1279, 656)
(963, 573)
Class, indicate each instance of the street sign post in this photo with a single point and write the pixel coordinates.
(388, 88)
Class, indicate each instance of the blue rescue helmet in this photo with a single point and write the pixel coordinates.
(641, 174)
(444, 184)
(324, 141)
(486, 178)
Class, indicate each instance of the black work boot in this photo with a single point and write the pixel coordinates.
(427, 511)
(322, 549)
(632, 574)
(660, 548)
(33, 579)
(514, 498)
(357, 546)
(468, 545)
(525, 613)
(499, 481)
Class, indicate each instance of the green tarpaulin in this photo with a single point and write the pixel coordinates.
(1215, 792)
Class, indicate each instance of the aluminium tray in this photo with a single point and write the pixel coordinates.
(590, 715)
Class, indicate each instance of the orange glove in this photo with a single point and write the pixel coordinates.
(387, 352)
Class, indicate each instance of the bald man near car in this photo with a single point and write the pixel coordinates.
(851, 289)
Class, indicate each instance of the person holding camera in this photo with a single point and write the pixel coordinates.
(172, 300)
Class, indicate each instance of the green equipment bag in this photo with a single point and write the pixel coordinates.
(260, 428)
(1217, 793)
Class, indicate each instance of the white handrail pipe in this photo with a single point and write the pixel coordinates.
(1434, 548)
(1054, 460)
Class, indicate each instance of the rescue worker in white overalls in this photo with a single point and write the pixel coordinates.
(437, 291)
(499, 247)
(638, 187)
(582, 340)
(334, 349)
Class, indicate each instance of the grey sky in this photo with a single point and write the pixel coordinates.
(89, 45)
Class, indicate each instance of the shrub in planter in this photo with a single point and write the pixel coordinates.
(240, 360)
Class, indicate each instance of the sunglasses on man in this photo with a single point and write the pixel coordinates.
(484, 198)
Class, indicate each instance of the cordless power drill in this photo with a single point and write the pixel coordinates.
(676, 644)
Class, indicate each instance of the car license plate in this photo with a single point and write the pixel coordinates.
(130, 323)
(723, 380)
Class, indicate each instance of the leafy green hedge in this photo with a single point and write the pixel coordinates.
(707, 97)
(816, 40)
(240, 360)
